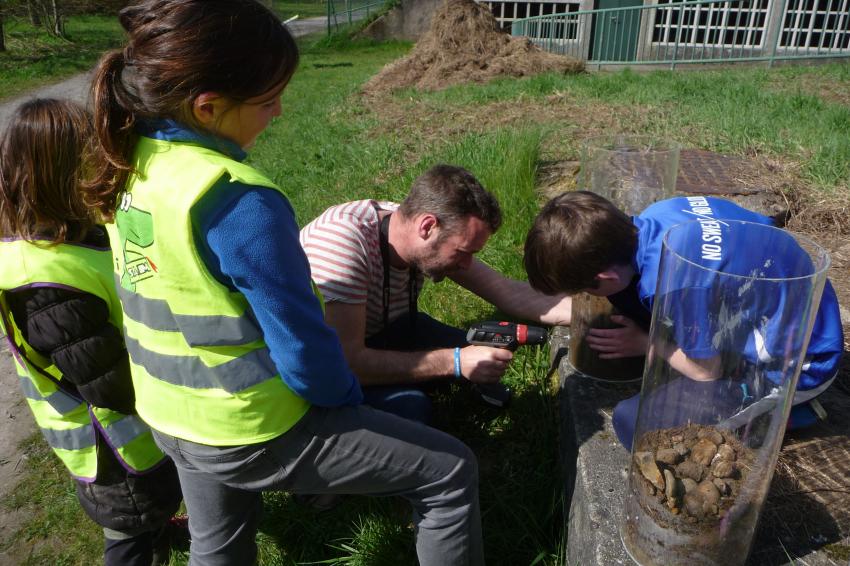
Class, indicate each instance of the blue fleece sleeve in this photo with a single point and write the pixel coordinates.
(248, 238)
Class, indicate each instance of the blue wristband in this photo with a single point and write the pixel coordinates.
(458, 375)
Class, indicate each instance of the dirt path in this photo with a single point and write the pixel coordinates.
(75, 88)
(16, 423)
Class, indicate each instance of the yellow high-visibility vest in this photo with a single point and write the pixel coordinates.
(200, 366)
(66, 420)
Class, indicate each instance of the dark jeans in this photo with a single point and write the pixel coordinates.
(408, 401)
(130, 550)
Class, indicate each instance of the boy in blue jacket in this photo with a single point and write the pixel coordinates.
(581, 242)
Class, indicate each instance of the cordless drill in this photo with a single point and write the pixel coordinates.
(507, 335)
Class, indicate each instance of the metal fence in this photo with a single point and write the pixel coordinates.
(345, 12)
(704, 31)
(508, 11)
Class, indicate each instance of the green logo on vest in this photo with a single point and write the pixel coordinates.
(135, 228)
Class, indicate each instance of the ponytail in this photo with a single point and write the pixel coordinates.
(177, 50)
(113, 125)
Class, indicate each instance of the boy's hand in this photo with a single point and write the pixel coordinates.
(612, 343)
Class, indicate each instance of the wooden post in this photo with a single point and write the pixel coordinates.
(595, 312)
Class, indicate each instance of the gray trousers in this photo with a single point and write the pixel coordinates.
(346, 450)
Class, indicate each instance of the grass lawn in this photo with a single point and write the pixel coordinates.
(34, 58)
(331, 145)
(303, 9)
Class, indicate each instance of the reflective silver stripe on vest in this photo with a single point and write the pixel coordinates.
(190, 371)
(124, 431)
(73, 439)
(61, 402)
(206, 330)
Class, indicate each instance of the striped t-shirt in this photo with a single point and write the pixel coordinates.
(343, 246)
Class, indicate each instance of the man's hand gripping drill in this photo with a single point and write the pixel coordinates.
(506, 335)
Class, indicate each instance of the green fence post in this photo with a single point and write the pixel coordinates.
(778, 32)
(678, 35)
(823, 30)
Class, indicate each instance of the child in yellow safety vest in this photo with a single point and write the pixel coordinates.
(62, 319)
(237, 373)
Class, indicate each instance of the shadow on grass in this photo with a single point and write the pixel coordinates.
(47, 502)
(808, 506)
(360, 531)
(520, 488)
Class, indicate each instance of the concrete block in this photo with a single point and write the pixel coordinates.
(596, 466)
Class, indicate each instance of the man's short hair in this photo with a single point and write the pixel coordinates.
(575, 237)
(452, 194)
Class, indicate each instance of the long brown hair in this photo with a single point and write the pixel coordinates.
(42, 159)
(177, 50)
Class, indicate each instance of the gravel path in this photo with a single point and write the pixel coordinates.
(16, 424)
(75, 88)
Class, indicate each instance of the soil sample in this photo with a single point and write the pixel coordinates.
(588, 312)
(693, 506)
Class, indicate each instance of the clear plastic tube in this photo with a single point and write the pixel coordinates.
(732, 317)
(632, 171)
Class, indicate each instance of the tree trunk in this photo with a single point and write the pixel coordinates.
(58, 22)
(2, 34)
(34, 13)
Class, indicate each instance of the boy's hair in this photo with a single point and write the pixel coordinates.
(452, 194)
(42, 155)
(575, 237)
(177, 50)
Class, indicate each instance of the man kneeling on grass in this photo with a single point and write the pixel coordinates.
(369, 260)
(581, 242)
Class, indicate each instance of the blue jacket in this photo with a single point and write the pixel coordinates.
(693, 309)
